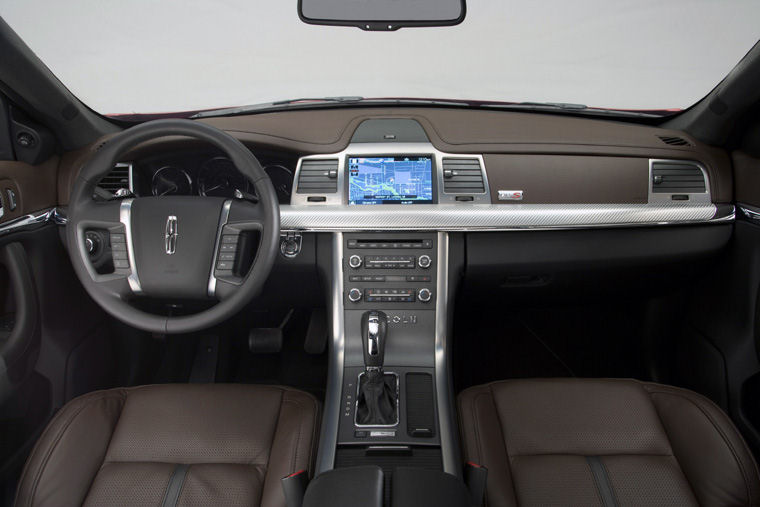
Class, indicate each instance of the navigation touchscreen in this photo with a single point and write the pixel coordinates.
(390, 180)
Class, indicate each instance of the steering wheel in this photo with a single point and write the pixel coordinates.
(174, 247)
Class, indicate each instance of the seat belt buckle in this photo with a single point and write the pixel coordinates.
(475, 478)
(294, 486)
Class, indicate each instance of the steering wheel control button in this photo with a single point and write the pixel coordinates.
(224, 265)
(354, 295)
(93, 243)
(229, 238)
(424, 261)
(227, 256)
(355, 261)
(424, 295)
(228, 247)
(118, 250)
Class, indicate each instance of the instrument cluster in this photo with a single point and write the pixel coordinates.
(208, 174)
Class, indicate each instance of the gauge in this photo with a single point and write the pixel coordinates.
(171, 180)
(282, 180)
(220, 178)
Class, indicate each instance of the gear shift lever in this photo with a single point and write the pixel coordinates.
(374, 331)
(377, 404)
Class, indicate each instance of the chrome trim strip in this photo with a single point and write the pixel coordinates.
(665, 197)
(750, 212)
(445, 417)
(223, 218)
(328, 441)
(389, 149)
(125, 217)
(29, 221)
(452, 217)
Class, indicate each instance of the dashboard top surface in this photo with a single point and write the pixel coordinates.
(569, 167)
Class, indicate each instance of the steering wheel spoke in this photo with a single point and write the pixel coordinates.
(246, 216)
(115, 285)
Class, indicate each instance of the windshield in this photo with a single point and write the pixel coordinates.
(143, 56)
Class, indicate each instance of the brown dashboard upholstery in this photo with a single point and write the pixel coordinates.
(533, 139)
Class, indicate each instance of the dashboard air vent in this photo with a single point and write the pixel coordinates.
(674, 177)
(674, 141)
(319, 176)
(462, 176)
(117, 178)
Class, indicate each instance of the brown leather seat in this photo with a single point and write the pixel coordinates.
(604, 442)
(176, 444)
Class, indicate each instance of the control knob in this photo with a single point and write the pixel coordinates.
(424, 261)
(354, 295)
(355, 261)
(424, 295)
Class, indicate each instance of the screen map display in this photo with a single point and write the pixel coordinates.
(390, 180)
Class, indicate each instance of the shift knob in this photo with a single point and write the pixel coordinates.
(374, 334)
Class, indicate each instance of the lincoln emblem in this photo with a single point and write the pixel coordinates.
(171, 235)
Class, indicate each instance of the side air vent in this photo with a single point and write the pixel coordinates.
(117, 178)
(462, 176)
(674, 141)
(319, 176)
(675, 177)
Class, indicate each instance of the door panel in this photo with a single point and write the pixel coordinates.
(34, 187)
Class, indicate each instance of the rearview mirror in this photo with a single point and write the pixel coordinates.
(382, 15)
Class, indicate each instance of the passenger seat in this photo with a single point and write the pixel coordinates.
(604, 442)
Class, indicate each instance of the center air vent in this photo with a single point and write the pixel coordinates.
(117, 178)
(462, 176)
(676, 177)
(674, 141)
(319, 176)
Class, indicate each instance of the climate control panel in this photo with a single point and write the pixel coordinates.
(389, 270)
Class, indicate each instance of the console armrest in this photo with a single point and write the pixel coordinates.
(417, 487)
(346, 487)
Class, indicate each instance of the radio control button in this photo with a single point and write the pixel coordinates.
(424, 295)
(354, 295)
(355, 261)
(424, 261)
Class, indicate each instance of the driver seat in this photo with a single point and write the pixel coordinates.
(173, 445)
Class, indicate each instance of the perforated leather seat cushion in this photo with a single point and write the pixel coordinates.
(220, 444)
(604, 442)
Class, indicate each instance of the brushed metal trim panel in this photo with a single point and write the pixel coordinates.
(125, 217)
(223, 218)
(328, 439)
(451, 217)
(445, 417)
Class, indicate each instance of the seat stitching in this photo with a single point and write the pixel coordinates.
(294, 456)
(314, 437)
(56, 441)
(271, 444)
(476, 427)
(720, 432)
(504, 443)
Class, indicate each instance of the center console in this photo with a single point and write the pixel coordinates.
(388, 401)
(391, 275)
